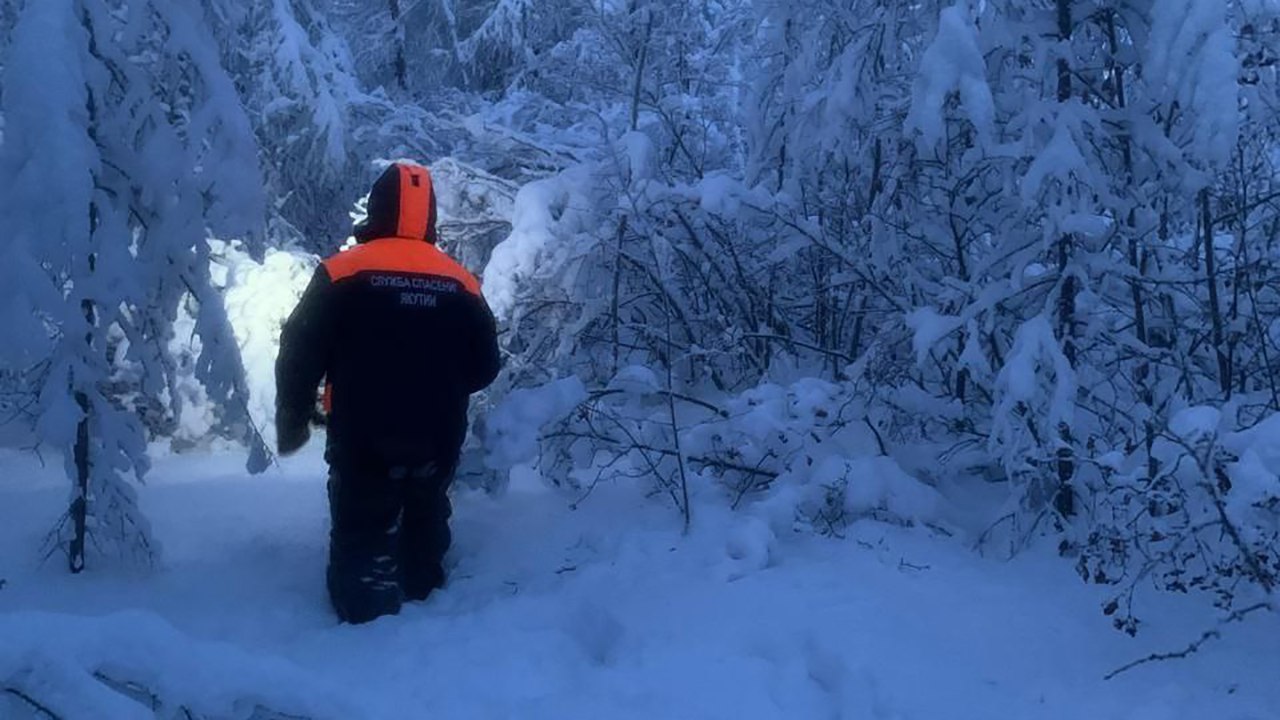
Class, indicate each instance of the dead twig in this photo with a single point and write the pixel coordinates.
(32, 703)
(1206, 636)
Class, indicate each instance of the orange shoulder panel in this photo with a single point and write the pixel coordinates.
(399, 255)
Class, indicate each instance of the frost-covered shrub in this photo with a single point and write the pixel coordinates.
(1022, 244)
(475, 210)
(16, 400)
(1208, 520)
(805, 453)
(1085, 286)
(809, 449)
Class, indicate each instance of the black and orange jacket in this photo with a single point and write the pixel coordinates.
(396, 329)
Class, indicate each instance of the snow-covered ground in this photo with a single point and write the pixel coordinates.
(603, 611)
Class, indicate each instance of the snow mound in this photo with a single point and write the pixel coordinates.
(830, 470)
(1255, 480)
(514, 427)
(546, 215)
(803, 453)
(136, 666)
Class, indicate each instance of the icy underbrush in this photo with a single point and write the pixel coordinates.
(606, 610)
(799, 455)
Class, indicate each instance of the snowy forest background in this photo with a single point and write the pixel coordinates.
(824, 261)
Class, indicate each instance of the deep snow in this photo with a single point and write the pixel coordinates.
(605, 610)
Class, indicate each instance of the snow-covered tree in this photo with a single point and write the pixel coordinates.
(377, 33)
(1075, 171)
(297, 84)
(119, 160)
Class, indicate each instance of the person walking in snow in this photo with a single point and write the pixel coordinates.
(401, 336)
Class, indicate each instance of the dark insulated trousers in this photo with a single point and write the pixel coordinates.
(390, 532)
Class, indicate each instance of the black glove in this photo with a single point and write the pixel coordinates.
(291, 435)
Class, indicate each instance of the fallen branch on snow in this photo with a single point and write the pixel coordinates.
(1206, 636)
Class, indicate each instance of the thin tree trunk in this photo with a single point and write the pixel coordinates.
(83, 461)
(1064, 500)
(1142, 373)
(1215, 306)
(397, 38)
(638, 83)
(79, 509)
(1064, 34)
(1241, 282)
(685, 510)
(617, 289)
